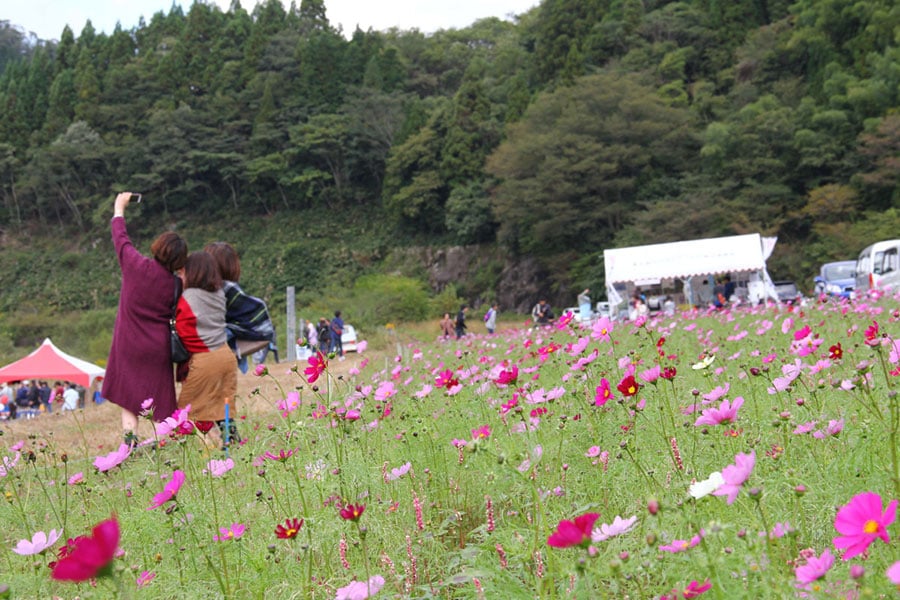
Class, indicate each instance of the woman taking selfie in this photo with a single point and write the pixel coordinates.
(140, 365)
(211, 376)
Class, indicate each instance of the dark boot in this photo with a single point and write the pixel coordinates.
(233, 437)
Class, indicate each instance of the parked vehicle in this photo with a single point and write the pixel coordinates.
(788, 292)
(878, 266)
(836, 278)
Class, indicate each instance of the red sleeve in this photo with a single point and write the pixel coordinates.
(186, 326)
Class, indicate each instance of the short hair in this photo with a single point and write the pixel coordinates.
(170, 250)
(227, 260)
(337, 314)
(200, 271)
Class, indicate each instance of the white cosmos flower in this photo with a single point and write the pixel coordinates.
(707, 486)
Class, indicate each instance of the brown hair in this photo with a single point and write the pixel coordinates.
(170, 250)
(227, 260)
(200, 271)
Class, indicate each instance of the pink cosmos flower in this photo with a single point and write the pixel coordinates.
(682, 545)
(735, 475)
(717, 392)
(508, 376)
(261, 370)
(445, 379)
(234, 532)
(145, 578)
(482, 432)
(563, 321)
(617, 527)
(399, 472)
(385, 390)
(217, 468)
(726, 413)
(650, 375)
(113, 459)
(169, 490)
(173, 423)
(893, 573)
(39, 542)
(573, 533)
(601, 329)
(361, 346)
(317, 366)
(282, 455)
(861, 521)
(603, 393)
(694, 589)
(360, 590)
(815, 568)
(289, 404)
(835, 426)
(76, 478)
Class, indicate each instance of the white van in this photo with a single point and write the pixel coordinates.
(878, 266)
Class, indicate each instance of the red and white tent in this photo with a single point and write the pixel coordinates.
(50, 363)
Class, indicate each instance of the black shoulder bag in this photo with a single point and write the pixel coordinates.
(179, 353)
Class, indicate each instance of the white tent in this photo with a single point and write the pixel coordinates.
(684, 260)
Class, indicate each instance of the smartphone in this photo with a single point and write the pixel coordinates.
(136, 198)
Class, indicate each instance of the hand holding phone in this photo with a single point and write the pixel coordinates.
(136, 197)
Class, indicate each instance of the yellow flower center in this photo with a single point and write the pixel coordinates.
(631, 389)
(291, 532)
(871, 526)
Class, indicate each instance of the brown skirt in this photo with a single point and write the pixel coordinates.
(211, 378)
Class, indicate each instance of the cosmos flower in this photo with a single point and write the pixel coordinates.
(835, 427)
(113, 459)
(481, 433)
(508, 376)
(603, 393)
(617, 527)
(601, 329)
(289, 530)
(573, 533)
(88, 557)
(317, 366)
(735, 475)
(398, 472)
(445, 379)
(169, 490)
(39, 542)
(861, 521)
(217, 468)
(352, 512)
(145, 578)
(726, 413)
(682, 545)
(815, 568)
(695, 588)
(233, 532)
(174, 423)
(707, 486)
(628, 386)
(360, 590)
(893, 573)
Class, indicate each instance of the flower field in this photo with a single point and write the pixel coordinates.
(750, 453)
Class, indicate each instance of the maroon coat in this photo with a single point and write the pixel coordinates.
(140, 364)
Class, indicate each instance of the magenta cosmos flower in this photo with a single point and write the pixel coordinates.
(815, 568)
(682, 545)
(573, 533)
(317, 366)
(88, 556)
(603, 393)
(169, 491)
(176, 422)
(695, 588)
(725, 413)
(861, 521)
(508, 376)
(735, 475)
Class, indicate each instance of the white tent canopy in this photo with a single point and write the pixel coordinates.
(683, 260)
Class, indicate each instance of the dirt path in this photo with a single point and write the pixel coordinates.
(97, 429)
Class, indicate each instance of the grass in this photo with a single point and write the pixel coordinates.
(463, 484)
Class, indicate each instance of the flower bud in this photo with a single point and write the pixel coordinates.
(653, 506)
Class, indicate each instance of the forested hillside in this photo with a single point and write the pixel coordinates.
(585, 124)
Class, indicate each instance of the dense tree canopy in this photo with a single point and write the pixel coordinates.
(580, 125)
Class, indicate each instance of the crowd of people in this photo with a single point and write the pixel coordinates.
(30, 398)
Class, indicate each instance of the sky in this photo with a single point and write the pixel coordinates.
(46, 18)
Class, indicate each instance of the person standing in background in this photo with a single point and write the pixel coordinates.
(45, 393)
(461, 321)
(584, 305)
(337, 330)
(490, 318)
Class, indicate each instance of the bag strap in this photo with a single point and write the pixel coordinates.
(177, 295)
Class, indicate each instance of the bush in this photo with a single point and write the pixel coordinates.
(380, 299)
